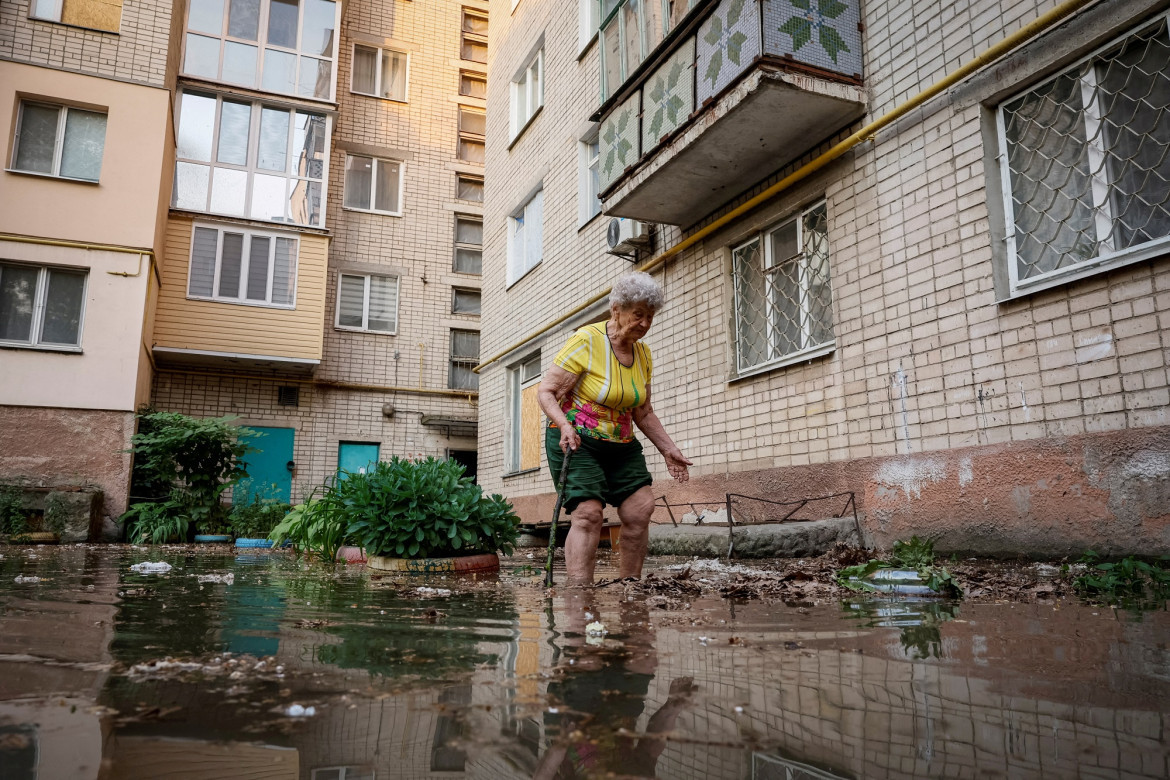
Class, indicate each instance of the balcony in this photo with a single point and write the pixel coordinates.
(739, 89)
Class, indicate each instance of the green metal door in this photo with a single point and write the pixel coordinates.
(355, 457)
(269, 474)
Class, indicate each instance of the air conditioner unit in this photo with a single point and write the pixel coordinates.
(626, 235)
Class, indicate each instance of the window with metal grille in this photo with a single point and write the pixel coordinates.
(288, 395)
(468, 244)
(783, 299)
(1084, 163)
(464, 357)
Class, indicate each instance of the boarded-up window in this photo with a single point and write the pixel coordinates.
(524, 418)
(93, 14)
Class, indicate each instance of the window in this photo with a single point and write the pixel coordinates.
(1085, 170)
(248, 159)
(469, 188)
(527, 93)
(783, 302)
(465, 301)
(473, 85)
(59, 141)
(367, 303)
(104, 15)
(285, 46)
(630, 30)
(525, 235)
(588, 12)
(588, 183)
(372, 184)
(468, 244)
(473, 38)
(464, 357)
(41, 307)
(379, 72)
(471, 141)
(243, 266)
(524, 429)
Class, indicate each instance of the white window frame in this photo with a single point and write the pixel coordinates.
(40, 294)
(58, 142)
(527, 93)
(588, 179)
(521, 376)
(588, 24)
(374, 186)
(365, 326)
(771, 264)
(520, 240)
(245, 261)
(377, 93)
(51, 10)
(252, 168)
(261, 44)
(1091, 122)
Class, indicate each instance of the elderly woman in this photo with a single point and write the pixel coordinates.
(596, 392)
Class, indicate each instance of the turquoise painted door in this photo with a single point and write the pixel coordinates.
(355, 458)
(268, 467)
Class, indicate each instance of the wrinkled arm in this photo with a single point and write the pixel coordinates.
(555, 386)
(648, 422)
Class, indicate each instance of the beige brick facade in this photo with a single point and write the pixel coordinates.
(931, 360)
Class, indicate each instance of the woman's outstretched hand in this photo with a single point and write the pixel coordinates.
(676, 464)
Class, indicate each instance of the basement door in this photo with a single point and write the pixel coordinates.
(269, 471)
(355, 457)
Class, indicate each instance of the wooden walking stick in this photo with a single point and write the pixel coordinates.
(552, 532)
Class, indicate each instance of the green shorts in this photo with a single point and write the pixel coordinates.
(609, 471)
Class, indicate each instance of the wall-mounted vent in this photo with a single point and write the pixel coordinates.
(288, 395)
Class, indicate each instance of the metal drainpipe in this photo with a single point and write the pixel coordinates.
(127, 250)
(1025, 33)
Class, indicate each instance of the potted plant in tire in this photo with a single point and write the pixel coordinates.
(252, 520)
(422, 516)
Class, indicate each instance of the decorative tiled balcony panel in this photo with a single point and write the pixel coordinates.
(728, 41)
(821, 33)
(668, 98)
(619, 137)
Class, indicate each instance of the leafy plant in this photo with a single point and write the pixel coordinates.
(12, 514)
(1130, 582)
(56, 511)
(186, 464)
(259, 513)
(916, 554)
(311, 533)
(156, 522)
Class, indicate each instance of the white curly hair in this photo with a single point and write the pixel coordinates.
(637, 287)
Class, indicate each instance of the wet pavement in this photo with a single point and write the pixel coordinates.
(281, 670)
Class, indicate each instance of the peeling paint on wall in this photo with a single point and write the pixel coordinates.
(911, 474)
(1094, 345)
(966, 472)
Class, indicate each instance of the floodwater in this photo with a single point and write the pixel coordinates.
(286, 671)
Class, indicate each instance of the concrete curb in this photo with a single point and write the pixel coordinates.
(780, 540)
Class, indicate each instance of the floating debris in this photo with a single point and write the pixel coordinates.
(20, 580)
(432, 592)
(226, 579)
(147, 567)
(298, 711)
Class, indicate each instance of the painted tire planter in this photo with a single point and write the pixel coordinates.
(245, 542)
(350, 554)
(460, 564)
(212, 538)
(34, 537)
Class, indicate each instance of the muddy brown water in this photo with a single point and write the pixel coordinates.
(288, 671)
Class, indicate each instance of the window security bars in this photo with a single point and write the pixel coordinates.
(464, 357)
(783, 299)
(1085, 167)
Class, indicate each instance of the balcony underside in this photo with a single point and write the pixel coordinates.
(762, 124)
(206, 360)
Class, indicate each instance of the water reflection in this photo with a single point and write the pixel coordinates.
(496, 680)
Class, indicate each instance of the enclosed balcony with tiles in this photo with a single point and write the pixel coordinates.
(701, 99)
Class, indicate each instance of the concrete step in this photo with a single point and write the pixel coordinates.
(778, 540)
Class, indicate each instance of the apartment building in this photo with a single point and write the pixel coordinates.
(325, 231)
(913, 253)
(89, 148)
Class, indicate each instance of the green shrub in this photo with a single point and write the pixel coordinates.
(255, 516)
(311, 533)
(12, 514)
(409, 509)
(1130, 582)
(185, 464)
(157, 522)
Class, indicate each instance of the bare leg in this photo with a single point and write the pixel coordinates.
(581, 545)
(635, 514)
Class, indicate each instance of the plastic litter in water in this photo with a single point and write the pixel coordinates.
(298, 711)
(147, 567)
(226, 579)
(19, 580)
(432, 591)
(596, 629)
